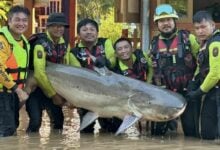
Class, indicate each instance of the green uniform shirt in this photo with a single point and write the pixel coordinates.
(40, 64)
(214, 67)
(194, 45)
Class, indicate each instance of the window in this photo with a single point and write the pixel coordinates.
(42, 23)
(43, 12)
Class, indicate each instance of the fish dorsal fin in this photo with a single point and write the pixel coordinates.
(102, 71)
(128, 121)
(89, 118)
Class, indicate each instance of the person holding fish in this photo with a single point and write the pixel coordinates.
(92, 51)
(207, 76)
(14, 59)
(173, 53)
(52, 47)
(131, 63)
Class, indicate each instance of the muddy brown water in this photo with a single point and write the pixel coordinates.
(69, 138)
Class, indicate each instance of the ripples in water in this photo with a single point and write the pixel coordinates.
(70, 138)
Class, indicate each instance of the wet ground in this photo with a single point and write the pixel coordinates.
(69, 138)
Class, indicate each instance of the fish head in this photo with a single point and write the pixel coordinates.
(161, 105)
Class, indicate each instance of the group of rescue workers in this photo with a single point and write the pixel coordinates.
(176, 60)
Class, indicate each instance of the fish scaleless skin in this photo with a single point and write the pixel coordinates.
(107, 94)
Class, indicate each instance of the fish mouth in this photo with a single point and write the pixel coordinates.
(178, 111)
(173, 113)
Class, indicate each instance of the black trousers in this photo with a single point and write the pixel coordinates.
(209, 119)
(191, 115)
(206, 112)
(9, 113)
(36, 103)
(161, 128)
(107, 124)
(190, 118)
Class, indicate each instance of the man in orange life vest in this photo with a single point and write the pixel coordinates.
(131, 63)
(173, 54)
(92, 51)
(14, 56)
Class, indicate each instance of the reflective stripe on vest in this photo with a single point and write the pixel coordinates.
(139, 68)
(162, 48)
(172, 67)
(135, 73)
(17, 63)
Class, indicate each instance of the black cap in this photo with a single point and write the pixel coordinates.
(57, 18)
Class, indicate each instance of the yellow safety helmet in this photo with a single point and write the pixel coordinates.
(165, 11)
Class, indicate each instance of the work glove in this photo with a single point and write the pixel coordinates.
(100, 62)
(192, 85)
(193, 95)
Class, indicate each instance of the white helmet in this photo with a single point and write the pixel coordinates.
(165, 11)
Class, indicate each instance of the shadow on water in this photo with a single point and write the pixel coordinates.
(69, 138)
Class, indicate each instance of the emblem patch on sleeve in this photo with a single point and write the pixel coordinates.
(39, 54)
(143, 60)
(215, 51)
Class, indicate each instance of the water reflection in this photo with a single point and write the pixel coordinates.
(70, 138)
(70, 129)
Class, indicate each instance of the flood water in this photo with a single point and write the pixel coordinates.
(69, 138)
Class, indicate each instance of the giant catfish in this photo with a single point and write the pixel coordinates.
(107, 94)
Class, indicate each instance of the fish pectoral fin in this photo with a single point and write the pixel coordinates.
(88, 118)
(128, 121)
(134, 108)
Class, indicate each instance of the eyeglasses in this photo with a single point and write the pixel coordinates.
(164, 9)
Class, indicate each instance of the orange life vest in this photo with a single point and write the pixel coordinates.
(174, 65)
(17, 63)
